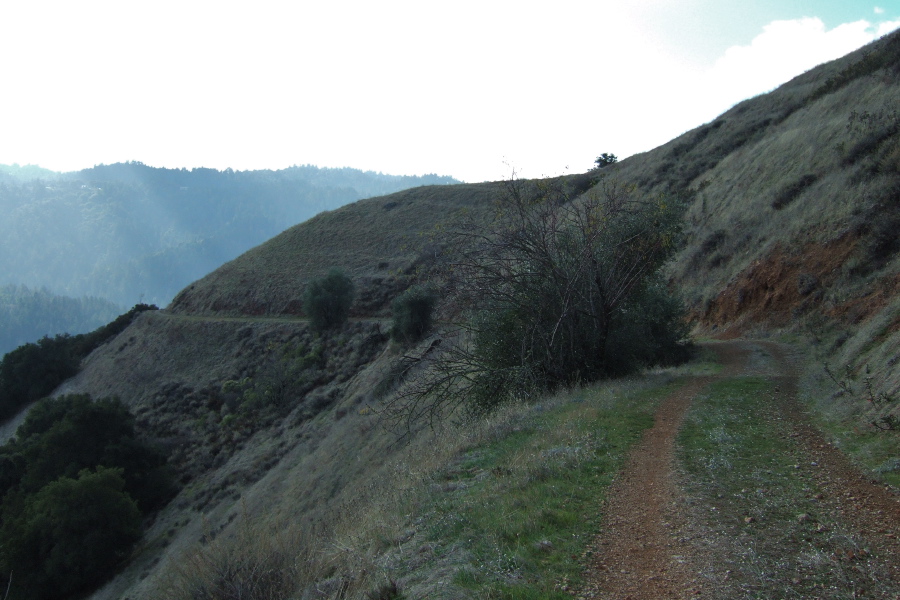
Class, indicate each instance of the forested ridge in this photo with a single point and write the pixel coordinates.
(129, 232)
(28, 314)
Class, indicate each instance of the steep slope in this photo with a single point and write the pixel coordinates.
(795, 194)
(792, 225)
(796, 210)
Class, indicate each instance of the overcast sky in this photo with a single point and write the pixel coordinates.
(472, 89)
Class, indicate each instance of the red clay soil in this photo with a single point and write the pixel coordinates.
(771, 289)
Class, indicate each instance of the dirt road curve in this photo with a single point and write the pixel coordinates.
(639, 553)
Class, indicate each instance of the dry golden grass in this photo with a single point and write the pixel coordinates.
(379, 242)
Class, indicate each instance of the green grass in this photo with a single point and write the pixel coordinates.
(754, 494)
(523, 506)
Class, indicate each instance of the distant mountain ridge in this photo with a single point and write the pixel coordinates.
(129, 232)
(28, 314)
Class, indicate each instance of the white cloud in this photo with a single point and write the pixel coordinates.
(397, 86)
(879, 10)
(782, 51)
(886, 27)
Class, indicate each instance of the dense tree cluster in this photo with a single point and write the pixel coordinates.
(605, 159)
(327, 300)
(412, 313)
(74, 482)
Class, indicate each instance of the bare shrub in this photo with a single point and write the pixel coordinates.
(259, 564)
(552, 291)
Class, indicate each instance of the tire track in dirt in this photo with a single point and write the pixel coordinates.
(869, 507)
(638, 555)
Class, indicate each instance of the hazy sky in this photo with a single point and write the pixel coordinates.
(471, 89)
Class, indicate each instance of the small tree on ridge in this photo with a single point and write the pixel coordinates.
(327, 300)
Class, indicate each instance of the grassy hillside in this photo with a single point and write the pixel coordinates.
(380, 242)
(791, 231)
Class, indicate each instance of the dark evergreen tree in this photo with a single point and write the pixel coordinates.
(327, 300)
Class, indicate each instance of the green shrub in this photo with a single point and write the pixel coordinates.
(561, 292)
(412, 312)
(69, 535)
(327, 300)
(650, 329)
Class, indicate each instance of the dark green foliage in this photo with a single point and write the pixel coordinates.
(793, 191)
(62, 436)
(75, 481)
(650, 329)
(70, 535)
(605, 159)
(327, 300)
(412, 313)
(32, 371)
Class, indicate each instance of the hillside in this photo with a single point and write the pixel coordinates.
(129, 232)
(791, 232)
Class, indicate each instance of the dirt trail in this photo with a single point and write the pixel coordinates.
(638, 555)
(872, 509)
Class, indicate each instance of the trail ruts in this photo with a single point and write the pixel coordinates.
(638, 555)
